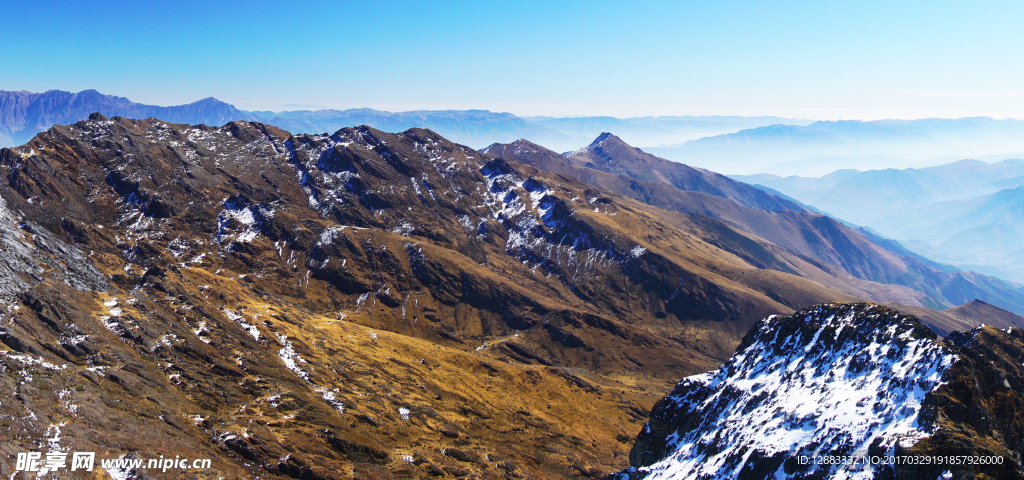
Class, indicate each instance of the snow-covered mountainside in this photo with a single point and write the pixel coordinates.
(833, 381)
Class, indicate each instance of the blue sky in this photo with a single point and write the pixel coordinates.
(818, 59)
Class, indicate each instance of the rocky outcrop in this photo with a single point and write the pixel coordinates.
(855, 381)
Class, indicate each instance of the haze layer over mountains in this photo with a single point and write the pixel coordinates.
(826, 146)
(24, 114)
(725, 144)
(968, 213)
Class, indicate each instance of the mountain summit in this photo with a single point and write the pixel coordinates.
(608, 153)
(614, 165)
(611, 155)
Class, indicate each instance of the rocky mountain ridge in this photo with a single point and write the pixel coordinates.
(23, 114)
(843, 380)
(618, 167)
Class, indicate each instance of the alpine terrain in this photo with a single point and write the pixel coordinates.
(361, 304)
(857, 260)
(805, 391)
(370, 305)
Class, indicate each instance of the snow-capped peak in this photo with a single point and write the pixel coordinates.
(830, 380)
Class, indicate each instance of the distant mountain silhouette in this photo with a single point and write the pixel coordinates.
(24, 114)
(967, 213)
(830, 145)
(474, 128)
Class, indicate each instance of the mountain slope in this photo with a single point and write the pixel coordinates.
(488, 215)
(843, 380)
(815, 236)
(983, 313)
(609, 154)
(835, 246)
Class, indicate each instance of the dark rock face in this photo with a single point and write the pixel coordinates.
(842, 380)
(27, 263)
(979, 411)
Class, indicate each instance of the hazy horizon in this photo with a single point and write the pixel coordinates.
(303, 107)
(725, 144)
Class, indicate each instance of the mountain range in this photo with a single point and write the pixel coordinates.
(850, 255)
(727, 144)
(966, 213)
(24, 114)
(297, 305)
(361, 303)
(825, 146)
